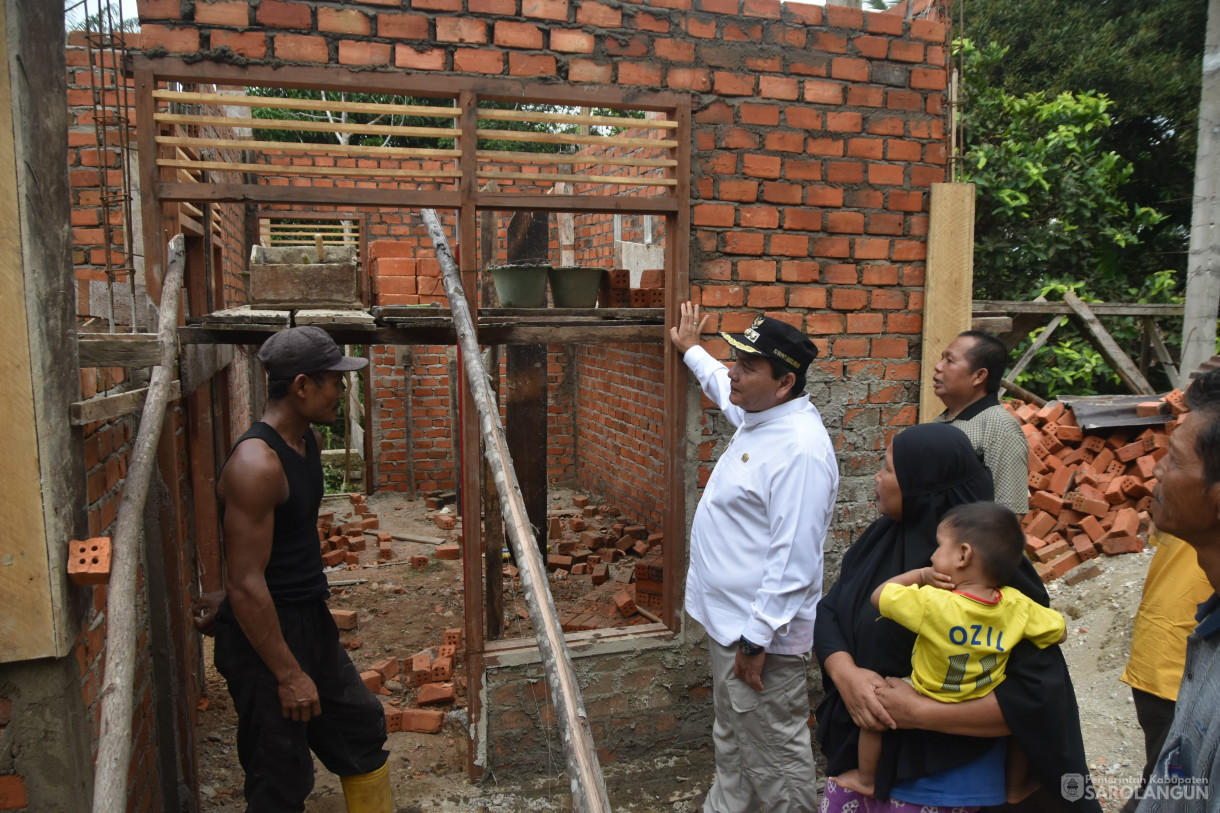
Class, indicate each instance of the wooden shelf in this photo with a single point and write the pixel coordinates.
(422, 325)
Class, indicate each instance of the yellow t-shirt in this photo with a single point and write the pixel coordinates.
(963, 642)
(1173, 590)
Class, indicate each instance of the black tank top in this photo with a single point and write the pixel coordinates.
(294, 571)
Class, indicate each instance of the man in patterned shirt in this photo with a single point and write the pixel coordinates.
(967, 380)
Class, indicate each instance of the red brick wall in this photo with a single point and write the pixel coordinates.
(816, 135)
(619, 417)
(107, 445)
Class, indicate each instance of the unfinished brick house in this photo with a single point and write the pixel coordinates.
(779, 158)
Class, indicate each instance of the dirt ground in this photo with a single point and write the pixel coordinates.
(403, 611)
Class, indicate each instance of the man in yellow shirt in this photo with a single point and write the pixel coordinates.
(1173, 590)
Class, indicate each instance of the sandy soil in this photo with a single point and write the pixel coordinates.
(403, 611)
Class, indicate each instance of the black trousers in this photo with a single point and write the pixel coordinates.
(1155, 716)
(349, 735)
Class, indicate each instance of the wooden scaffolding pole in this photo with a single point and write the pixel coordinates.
(114, 742)
(588, 784)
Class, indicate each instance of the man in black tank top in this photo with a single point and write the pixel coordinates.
(293, 686)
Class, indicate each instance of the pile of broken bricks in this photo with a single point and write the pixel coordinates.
(1089, 493)
(430, 672)
(342, 542)
(621, 561)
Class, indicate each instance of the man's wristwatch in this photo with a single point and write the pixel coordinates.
(748, 649)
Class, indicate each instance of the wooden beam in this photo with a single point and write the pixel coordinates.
(676, 452)
(1203, 270)
(493, 529)
(199, 363)
(992, 324)
(109, 407)
(1033, 349)
(507, 202)
(949, 282)
(1157, 339)
(1022, 393)
(411, 335)
(302, 195)
(997, 306)
(131, 350)
(118, 687)
(1106, 345)
(587, 783)
(151, 214)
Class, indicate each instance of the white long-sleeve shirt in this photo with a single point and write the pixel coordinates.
(757, 538)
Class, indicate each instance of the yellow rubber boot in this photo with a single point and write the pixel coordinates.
(368, 792)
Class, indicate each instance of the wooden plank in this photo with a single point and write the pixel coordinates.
(457, 280)
(27, 628)
(408, 335)
(302, 195)
(571, 160)
(679, 391)
(599, 180)
(1099, 308)
(992, 324)
(509, 202)
(330, 105)
(565, 138)
(587, 783)
(949, 283)
(574, 118)
(1203, 259)
(294, 125)
(132, 350)
(109, 407)
(1160, 350)
(297, 146)
(1032, 350)
(151, 215)
(199, 363)
(1022, 393)
(1106, 345)
(309, 171)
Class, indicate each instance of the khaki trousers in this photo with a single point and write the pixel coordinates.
(764, 758)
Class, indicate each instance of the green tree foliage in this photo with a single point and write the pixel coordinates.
(1049, 204)
(1145, 56)
(1070, 365)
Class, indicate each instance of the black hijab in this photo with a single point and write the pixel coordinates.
(937, 469)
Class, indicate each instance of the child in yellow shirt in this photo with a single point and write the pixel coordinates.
(965, 623)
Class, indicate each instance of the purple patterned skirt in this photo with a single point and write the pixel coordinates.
(840, 800)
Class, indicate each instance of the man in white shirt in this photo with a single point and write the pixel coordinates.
(755, 572)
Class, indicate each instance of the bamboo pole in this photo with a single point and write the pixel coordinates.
(114, 741)
(584, 773)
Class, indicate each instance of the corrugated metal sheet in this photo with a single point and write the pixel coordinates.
(1103, 411)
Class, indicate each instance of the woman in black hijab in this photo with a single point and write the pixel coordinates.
(929, 469)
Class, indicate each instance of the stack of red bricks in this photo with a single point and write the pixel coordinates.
(432, 677)
(342, 542)
(1089, 494)
(649, 294)
(401, 276)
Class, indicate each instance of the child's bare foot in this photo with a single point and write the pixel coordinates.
(853, 780)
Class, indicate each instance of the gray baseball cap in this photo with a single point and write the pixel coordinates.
(303, 350)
